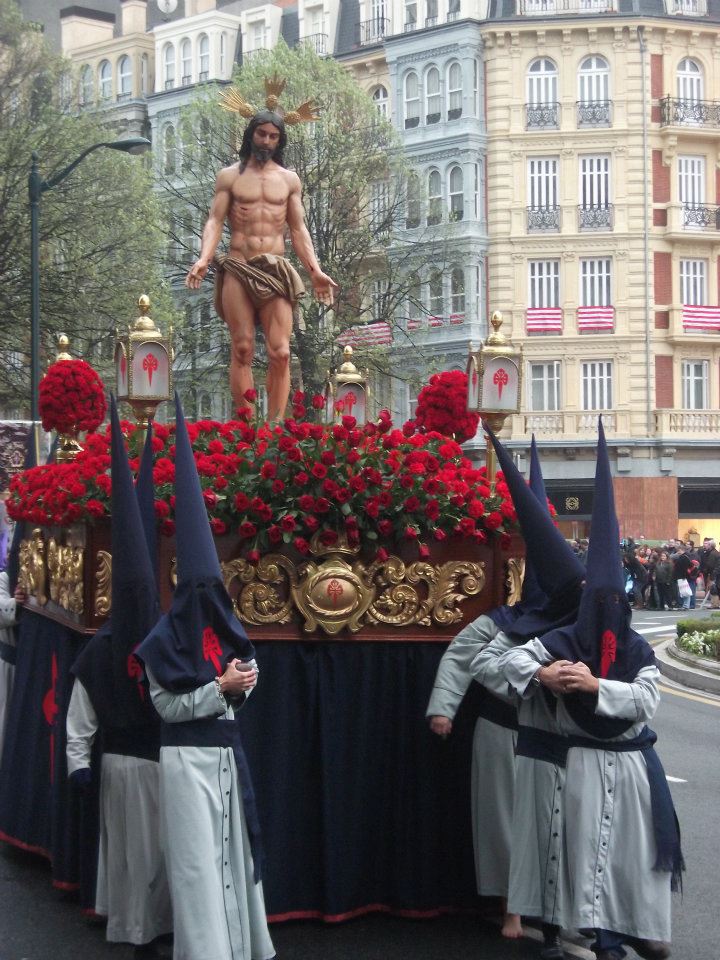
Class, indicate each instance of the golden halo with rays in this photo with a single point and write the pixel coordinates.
(233, 101)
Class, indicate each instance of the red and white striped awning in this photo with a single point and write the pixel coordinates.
(544, 319)
(701, 318)
(591, 319)
(366, 335)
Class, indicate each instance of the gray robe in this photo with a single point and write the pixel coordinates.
(609, 840)
(132, 888)
(537, 886)
(493, 760)
(7, 637)
(219, 910)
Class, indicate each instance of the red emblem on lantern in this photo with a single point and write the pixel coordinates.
(608, 652)
(501, 379)
(150, 365)
(212, 649)
(334, 591)
(350, 401)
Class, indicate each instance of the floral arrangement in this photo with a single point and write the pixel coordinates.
(701, 643)
(271, 485)
(442, 406)
(72, 397)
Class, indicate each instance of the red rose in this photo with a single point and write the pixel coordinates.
(250, 395)
(322, 505)
(242, 502)
(218, 526)
(209, 498)
(319, 471)
(253, 557)
(247, 530)
(162, 510)
(274, 533)
(268, 470)
(318, 401)
(301, 479)
(287, 523)
(301, 545)
(385, 527)
(382, 554)
(493, 520)
(439, 534)
(306, 502)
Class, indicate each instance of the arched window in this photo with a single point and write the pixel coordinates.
(169, 66)
(380, 99)
(432, 96)
(169, 149)
(187, 145)
(203, 57)
(87, 87)
(204, 405)
(105, 77)
(185, 62)
(594, 80)
(124, 78)
(412, 208)
(689, 82)
(455, 193)
(144, 73)
(434, 197)
(457, 291)
(223, 54)
(454, 91)
(435, 294)
(412, 100)
(542, 83)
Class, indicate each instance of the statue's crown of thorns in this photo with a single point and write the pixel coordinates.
(274, 86)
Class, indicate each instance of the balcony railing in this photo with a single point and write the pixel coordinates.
(373, 31)
(203, 76)
(318, 41)
(542, 115)
(453, 16)
(543, 219)
(594, 113)
(409, 26)
(431, 21)
(169, 84)
(186, 80)
(580, 424)
(696, 113)
(691, 8)
(683, 422)
(531, 8)
(700, 217)
(593, 217)
(123, 96)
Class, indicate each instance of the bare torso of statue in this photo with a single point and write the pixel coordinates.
(261, 201)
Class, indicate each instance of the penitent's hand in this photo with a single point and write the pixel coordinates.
(550, 676)
(324, 288)
(196, 274)
(442, 726)
(577, 678)
(236, 681)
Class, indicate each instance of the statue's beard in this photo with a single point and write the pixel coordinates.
(261, 155)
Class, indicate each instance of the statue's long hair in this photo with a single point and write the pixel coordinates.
(264, 116)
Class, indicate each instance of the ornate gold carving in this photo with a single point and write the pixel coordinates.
(31, 576)
(514, 579)
(265, 595)
(65, 575)
(103, 579)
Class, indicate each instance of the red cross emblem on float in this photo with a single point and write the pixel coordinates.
(501, 379)
(211, 648)
(334, 591)
(149, 365)
(608, 652)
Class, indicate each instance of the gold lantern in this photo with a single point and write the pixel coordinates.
(143, 368)
(348, 387)
(494, 383)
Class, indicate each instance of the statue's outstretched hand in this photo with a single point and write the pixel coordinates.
(324, 287)
(196, 274)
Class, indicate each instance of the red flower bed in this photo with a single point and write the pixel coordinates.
(442, 407)
(72, 397)
(282, 484)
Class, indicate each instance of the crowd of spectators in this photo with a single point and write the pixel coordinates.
(667, 577)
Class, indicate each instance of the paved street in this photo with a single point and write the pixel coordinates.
(39, 923)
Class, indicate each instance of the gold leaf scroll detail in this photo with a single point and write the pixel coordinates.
(31, 559)
(65, 570)
(265, 595)
(401, 604)
(103, 581)
(514, 579)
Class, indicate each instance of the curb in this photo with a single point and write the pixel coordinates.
(686, 669)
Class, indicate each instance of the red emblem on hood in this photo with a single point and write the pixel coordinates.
(212, 649)
(608, 652)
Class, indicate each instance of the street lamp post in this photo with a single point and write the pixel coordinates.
(36, 188)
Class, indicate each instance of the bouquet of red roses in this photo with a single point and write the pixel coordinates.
(442, 406)
(72, 397)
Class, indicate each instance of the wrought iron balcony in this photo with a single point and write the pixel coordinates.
(186, 80)
(431, 21)
(543, 219)
(698, 113)
(453, 16)
(691, 8)
(169, 84)
(700, 217)
(409, 26)
(318, 41)
(373, 31)
(594, 113)
(203, 76)
(530, 8)
(542, 115)
(595, 217)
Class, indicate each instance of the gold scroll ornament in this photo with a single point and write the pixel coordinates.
(103, 580)
(65, 574)
(31, 561)
(514, 578)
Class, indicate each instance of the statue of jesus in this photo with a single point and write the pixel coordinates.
(255, 284)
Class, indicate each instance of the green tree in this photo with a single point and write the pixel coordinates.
(101, 229)
(354, 177)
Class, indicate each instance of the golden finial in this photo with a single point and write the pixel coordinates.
(145, 322)
(63, 347)
(497, 337)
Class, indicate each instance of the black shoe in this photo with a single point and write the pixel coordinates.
(649, 949)
(552, 943)
(609, 955)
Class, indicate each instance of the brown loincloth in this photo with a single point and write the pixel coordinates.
(263, 277)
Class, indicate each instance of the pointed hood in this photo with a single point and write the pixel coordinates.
(110, 655)
(200, 634)
(145, 490)
(558, 571)
(602, 637)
